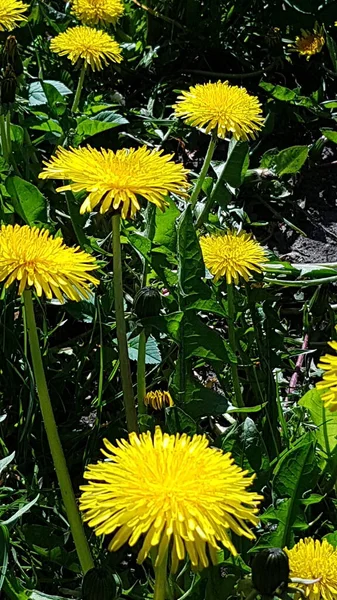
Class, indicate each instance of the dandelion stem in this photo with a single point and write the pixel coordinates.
(141, 381)
(205, 167)
(129, 401)
(4, 142)
(56, 450)
(79, 88)
(232, 340)
(160, 583)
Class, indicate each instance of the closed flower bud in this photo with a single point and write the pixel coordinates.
(11, 56)
(147, 303)
(8, 86)
(270, 571)
(99, 584)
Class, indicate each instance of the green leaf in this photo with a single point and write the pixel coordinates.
(152, 356)
(90, 127)
(4, 548)
(295, 473)
(332, 47)
(330, 134)
(236, 164)
(324, 419)
(27, 200)
(4, 462)
(291, 159)
(36, 93)
(203, 342)
(168, 324)
(14, 518)
(191, 265)
(165, 226)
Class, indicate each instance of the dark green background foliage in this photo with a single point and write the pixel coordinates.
(282, 187)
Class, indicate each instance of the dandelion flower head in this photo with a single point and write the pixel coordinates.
(158, 399)
(34, 258)
(232, 255)
(313, 559)
(11, 13)
(173, 492)
(115, 180)
(328, 363)
(221, 107)
(309, 43)
(95, 47)
(98, 12)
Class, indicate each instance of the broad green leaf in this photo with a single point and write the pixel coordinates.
(4, 462)
(291, 159)
(168, 324)
(107, 116)
(325, 420)
(90, 127)
(152, 356)
(200, 401)
(191, 265)
(330, 134)
(141, 244)
(236, 165)
(202, 341)
(165, 227)
(51, 126)
(218, 586)
(27, 200)
(36, 93)
(295, 474)
(17, 134)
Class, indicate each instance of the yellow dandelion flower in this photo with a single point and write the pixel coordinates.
(158, 399)
(312, 559)
(35, 259)
(95, 47)
(11, 13)
(226, 108)
(115, 180)
(173, 489)
(329, 364)
(232, 255)
(309, 43)
(98, 12)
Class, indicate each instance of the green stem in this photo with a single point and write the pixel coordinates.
(3, 134)
(232, 340)
(79, 88)
(56, 450)
(160, 583)
(129, 401)
(141, 381)
(205, 167)
(209, 202)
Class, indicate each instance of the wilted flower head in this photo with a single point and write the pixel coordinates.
(158, 399)
(309, 43)
(97, 12)
(115, 180)
(232, 255)
(11, 13)
(95, 47)
(328, 363)
(172, 491)
(312, 559)
(34, 258)
(221, 107)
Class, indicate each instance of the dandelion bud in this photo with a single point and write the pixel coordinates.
(147, 303)
(270, 571)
